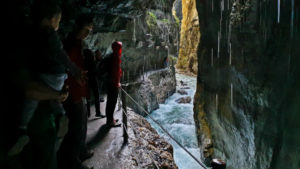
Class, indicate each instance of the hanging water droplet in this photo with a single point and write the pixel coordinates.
(242, 53)
(128, 76)
(292, 19)
(231, 94)
(217, 102)
(289, 62)
(140, 73)
(219, 44)
(212, 57)
(228, 4)
(229, 53)
(221, 24)
(260, 14)
(123, 79)
(222, 5)
(278, 11)
(229, 32)
(133, 34)
(143, 72)
(265, 36)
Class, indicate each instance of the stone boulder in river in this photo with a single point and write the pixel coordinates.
(187, 99)
(182, 92)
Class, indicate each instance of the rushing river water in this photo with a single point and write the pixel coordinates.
(179, 121)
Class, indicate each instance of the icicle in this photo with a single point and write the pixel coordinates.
(212, 5)
(229, 53)
(292, 20)
(231, 94)
(212, 57)
(218, 44)
(278, 11)
(217, 102)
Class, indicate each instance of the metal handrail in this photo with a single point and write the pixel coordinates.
(180, 145)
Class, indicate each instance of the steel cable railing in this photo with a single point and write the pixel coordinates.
(180, 145)
(126, 129)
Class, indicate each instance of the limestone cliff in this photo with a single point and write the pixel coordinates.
(189, 37)
(247, 99)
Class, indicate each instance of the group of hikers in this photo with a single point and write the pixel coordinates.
(48, 128)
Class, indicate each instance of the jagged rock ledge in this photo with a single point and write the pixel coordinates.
(147, 149)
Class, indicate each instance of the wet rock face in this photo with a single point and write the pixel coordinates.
(149, 150)
(152, 89)
(148, 30)
(248, 84)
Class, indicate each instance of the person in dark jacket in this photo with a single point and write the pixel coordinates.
(93, 87)
(48, 64)
(47, 67)
(101, 73)
(114, 77)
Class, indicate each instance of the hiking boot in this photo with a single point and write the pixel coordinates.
(98, 114)
(114, 123)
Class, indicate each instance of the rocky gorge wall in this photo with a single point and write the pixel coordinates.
(149, 33)
(147, 29)
(189, 38)
(152, 89)
(247, 100)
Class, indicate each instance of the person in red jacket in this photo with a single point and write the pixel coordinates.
(74, 150)
(114, 77)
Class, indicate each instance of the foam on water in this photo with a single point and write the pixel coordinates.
(179, 121)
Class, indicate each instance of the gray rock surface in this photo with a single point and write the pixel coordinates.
(182, 92)
(187, 99)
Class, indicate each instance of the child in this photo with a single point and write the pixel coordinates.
(48, 65)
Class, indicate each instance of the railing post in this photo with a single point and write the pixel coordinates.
(124, 116)
(218, 164)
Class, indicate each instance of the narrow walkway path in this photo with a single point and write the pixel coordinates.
(107, 143)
